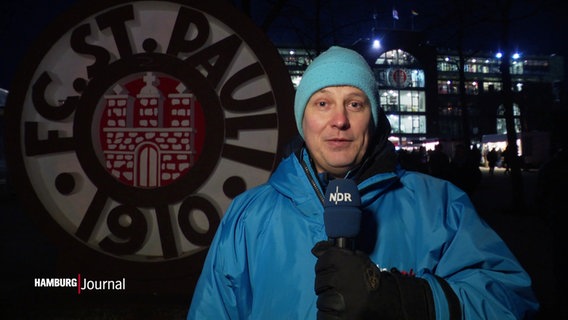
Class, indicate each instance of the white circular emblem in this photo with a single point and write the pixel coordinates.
(135, 123)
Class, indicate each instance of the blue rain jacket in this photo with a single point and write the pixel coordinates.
(260, 265)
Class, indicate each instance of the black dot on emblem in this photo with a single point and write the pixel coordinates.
(79, 84)
(234, 186)
(65, 183)
(149, 45)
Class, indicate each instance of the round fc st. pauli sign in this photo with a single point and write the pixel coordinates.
(133, 124)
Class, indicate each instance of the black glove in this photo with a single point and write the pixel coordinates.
(350, 286)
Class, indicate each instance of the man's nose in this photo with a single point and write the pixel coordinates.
(340, 119)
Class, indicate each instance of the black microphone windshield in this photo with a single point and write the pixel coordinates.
(342, 213)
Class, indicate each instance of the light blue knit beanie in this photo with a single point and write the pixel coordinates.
(336, 67)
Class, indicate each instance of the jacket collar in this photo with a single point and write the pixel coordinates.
(294, 178)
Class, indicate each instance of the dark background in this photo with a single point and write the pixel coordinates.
(536, 27)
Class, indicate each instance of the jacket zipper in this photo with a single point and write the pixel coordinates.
(312, 181)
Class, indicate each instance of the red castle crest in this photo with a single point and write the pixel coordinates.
(149, 131)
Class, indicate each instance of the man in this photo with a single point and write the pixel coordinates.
(492, 158)
(422, 252)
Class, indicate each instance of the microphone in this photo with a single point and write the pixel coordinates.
(342, 213)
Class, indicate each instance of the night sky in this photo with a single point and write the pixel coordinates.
(536, 28)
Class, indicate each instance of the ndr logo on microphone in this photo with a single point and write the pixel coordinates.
(337, 196)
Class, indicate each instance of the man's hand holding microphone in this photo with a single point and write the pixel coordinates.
(348, 284)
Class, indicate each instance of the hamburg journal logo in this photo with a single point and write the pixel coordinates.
(134, 124)
(81, 284)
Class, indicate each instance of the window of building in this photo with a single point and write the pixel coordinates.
(402, 91)
(502, 122)
(452, 87)
(394, 120)
(447, 87)
(396, 58)
(296, 60)
(389, 101)
(413, 101)
(296, 79)
(407, 124)
(516, 67)
(447, 64)
(472, 87)
(492, 86)
(412, 124)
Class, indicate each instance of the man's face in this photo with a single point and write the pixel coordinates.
(337, 128)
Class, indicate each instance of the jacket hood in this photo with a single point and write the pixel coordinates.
(381, 156)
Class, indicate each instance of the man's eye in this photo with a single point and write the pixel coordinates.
(356, 104)
(322, 103)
